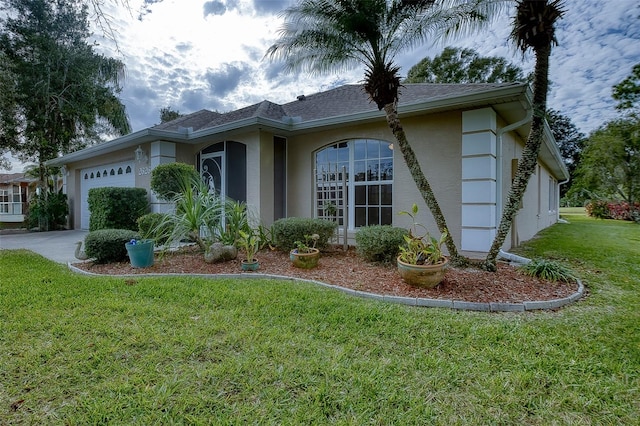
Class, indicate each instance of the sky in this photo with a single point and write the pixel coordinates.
(195, 54)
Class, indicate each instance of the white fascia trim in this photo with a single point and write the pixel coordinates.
(459, 101)
(150, 134)
(550, 144)
(130, 140)
(422, 106)
(243, 124)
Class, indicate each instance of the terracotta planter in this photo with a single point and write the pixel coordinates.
(250, 266)
(427, 276)
(305, 260)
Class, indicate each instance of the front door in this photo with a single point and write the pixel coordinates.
(212, 171)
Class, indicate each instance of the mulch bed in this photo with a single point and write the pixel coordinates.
(347, 269)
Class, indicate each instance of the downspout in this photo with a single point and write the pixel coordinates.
(499, 133)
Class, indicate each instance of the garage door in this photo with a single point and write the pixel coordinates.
(117, 174)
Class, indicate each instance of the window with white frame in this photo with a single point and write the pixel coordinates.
(368, 166)
(4, 201)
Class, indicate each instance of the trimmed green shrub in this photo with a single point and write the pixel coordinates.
(169, 180)
(116, 208)
(291, 229)
(107, 245)
(380, 243)
(548, 270)
(154, 226)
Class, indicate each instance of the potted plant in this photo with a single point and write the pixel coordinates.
(421, 262)
(140, 253)
(249, 243)
(305, 255)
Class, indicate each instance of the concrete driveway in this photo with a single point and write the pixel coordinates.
(58, 246)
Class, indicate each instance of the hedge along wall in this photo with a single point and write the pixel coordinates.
(116, 208)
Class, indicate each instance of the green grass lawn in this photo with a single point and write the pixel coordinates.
(81, 350)
(572, 211)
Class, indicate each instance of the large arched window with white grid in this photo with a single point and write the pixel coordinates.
(366, 165)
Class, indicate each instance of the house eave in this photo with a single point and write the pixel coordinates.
(493, 97)
(128, 141)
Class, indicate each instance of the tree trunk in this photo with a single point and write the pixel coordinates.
(422, 183)
(529, 160)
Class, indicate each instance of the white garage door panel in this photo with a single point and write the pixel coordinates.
(117, 174)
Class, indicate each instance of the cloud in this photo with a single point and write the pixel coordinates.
(270, 6)
(184, 47)
(214, 8)
(194, 100)
(226, 79)
(218, 8)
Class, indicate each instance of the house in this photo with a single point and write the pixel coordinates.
(288, 160)
(15, 190)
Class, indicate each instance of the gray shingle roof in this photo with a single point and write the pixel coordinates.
(341, 101)
(197, 120)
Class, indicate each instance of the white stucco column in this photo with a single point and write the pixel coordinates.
(161, 153)
(478, 179)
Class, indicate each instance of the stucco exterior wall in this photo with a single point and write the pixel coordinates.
(535, 213)
(447, 147)
(436, 141)
(73, 179)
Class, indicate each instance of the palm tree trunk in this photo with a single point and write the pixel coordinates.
(421, 181)
(529, 160)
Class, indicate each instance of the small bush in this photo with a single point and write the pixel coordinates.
(291, 229)
(598, 209)
(380, 243)
(548, 270)
(48, 212)
(618, 210)
(168, 180)
(116, 208)
(621, 210)
(154, 226)
(107, 245)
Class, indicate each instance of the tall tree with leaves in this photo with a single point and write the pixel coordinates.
(168, 114)
(610, 164)
(456, 65)
(63, 94)
(534, 28)
(570, 142)
(324, 36)
(627, 92)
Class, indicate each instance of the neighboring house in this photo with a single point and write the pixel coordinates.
(282, 159)
(15, 190)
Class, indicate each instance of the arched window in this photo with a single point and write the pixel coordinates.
(98, 174)
(91, 175)
(104, 173)
(369, 173)
(128, 170)
(119, 170)
(86, 176)
(112, 173)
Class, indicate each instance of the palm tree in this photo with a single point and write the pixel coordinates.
(533, 28)
(325, 36)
